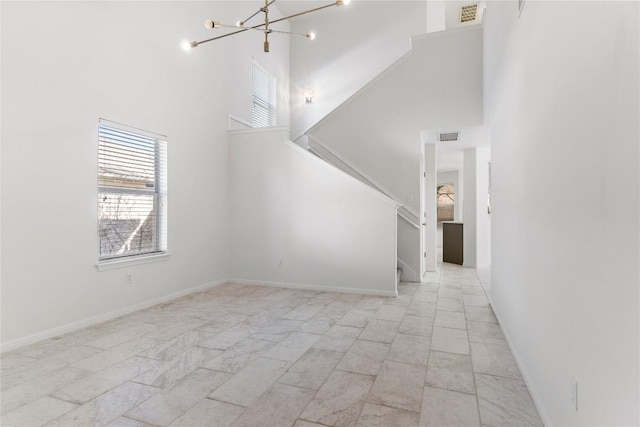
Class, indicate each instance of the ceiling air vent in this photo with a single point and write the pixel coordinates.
(468, 13)
(449, 137)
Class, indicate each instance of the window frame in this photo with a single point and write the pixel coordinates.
(159, 249)
(269, 106)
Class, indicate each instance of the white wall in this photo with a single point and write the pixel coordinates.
(0, 163)
(470, 248)
(64, 65)
(435, 16)
(328, 230)
(483, 216)
(456, 178)
(430, 214)
(354, 44)
(563, 104)
(477, 223)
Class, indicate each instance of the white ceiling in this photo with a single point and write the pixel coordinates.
(451, 7)
(288, 7)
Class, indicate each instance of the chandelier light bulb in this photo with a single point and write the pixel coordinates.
(239, 24)
(186, 45)
(311, 36)
(211, 24)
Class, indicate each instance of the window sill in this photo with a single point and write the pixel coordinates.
(143, 259)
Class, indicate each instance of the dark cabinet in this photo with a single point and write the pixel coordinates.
(452, 241)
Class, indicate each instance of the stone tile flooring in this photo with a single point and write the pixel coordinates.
(260, 356)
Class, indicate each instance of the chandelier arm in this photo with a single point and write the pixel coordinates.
(257, 12)
(219, 24)
(255, 27)
(223, 36)
(289, 32)
(337, 3)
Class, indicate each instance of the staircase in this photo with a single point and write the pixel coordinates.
(342, 214)
(376, 136)
(297, 221)
(408, 225)
(315, 147)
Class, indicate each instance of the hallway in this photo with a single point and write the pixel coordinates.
(249, 355)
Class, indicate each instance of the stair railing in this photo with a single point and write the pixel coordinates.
(320, 150)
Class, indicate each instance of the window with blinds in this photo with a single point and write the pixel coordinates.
(132, 192)
(264, 97)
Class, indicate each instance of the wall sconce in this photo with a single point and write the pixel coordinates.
(308, 96)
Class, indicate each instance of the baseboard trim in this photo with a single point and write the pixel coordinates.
(544, 417)
(308, 287)
(50, 333)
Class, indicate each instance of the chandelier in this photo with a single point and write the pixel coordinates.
(263, 27)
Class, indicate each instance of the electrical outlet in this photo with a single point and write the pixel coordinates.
(573, 386)
(281, 263)
(128, 278)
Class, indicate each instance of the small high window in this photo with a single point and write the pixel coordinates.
(264, 97)
(132, 192)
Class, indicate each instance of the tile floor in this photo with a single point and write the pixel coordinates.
(259, 356)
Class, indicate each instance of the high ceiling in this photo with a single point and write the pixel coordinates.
(450, 8)
(289, 7)
(450, 155)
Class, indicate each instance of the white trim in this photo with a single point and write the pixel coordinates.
(298, 137)
(40, 336)
(378, 188)
(310, 153)
(407, 271)
(395, 253)
(537, 401)
(423, 212)
(232, 118)
(415, 40)
(132, 129)
(129, 261)
(302, 141)
(410, 221)
(290, 285)
(260, 130)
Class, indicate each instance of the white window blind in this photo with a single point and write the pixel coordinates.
(264, 97)
(132, 192)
